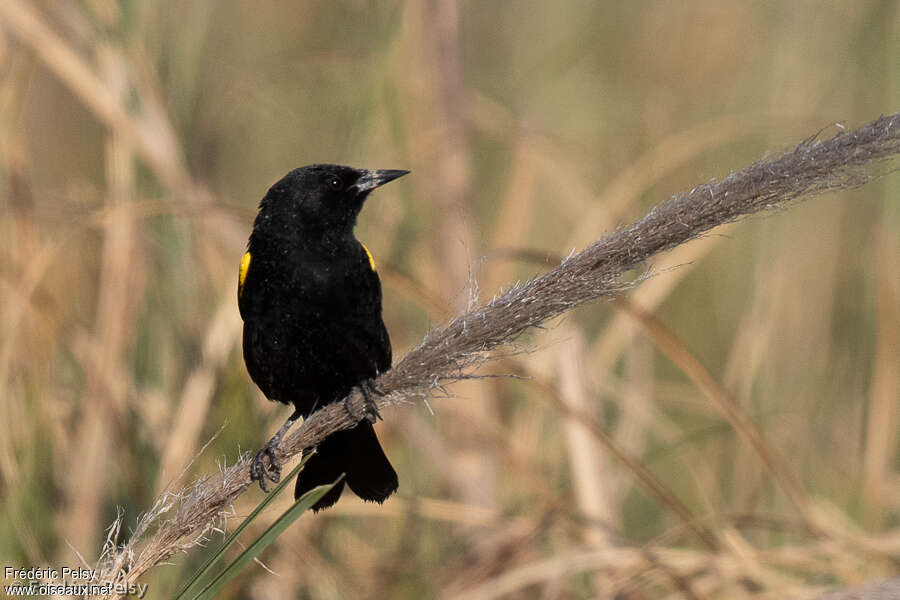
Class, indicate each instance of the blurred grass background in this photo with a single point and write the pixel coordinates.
(136, 139)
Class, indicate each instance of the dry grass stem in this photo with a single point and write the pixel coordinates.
(180, 520)
(672, 347)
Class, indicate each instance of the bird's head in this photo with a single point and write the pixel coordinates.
(322, 199)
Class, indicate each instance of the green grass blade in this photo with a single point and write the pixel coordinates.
(249, 519)
(262, 542)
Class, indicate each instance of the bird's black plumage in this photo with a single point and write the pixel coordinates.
(310, 298)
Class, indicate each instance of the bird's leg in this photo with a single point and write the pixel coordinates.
(258, 469)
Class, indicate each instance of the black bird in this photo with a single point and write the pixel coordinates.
(310, 299)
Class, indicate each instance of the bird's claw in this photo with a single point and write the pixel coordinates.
(260, 472)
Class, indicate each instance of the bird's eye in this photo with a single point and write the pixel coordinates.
(335, 183)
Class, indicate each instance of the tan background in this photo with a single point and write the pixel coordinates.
(136, 139)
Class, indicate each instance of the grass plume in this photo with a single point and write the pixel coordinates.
(849, 159)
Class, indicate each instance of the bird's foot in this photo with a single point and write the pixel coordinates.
(259, 471)
(370, 409)
(368, 388)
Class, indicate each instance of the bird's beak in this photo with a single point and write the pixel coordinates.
(371, 179)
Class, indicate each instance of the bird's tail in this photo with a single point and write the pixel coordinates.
(357, 453)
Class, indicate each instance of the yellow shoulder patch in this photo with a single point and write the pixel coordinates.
(242, 274)
(369, 254)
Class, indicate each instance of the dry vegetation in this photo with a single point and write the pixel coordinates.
(728, 430)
